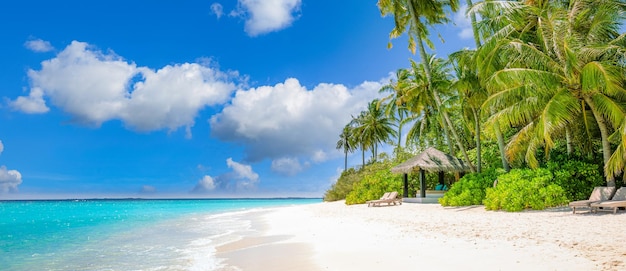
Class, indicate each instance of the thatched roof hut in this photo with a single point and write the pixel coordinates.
(432, 160)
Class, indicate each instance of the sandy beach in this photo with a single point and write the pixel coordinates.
(333, 236)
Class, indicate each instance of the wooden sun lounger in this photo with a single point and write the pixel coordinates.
(599, 194)
(618, 200)
(389, 198)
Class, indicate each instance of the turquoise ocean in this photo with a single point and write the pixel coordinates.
(133, 234)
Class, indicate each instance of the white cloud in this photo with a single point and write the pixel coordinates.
(1, 147)
(462, 21)
(287, 166)
(9, 180)
(31, 104)
(217, 10)
(94, 87)
(242, 171)
(264, 16)
(206, 184)
(39, 46)
(288, 120)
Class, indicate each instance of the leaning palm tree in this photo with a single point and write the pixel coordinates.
(473, 94)
(346, 143)
(393, 105)
(487, 10)
(563, 59)
(414, 17)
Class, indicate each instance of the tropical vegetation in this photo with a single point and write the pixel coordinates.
(543, 95)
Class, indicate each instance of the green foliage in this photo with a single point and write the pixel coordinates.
(374, 185)
(576, 177)
(366, 179)
(469, 190)
(343, 186)
(523, 189)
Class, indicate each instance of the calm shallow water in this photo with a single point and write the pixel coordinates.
(122, 234)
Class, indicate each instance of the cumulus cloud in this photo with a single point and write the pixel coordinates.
(39, 46)
(243, 172)
(31, 104)
(462, 21)
(9, 180)
(264, 16)
(288, 121)
(206, 184)
(217, 10)
(241, 178)
(94, 87)
(287, 166)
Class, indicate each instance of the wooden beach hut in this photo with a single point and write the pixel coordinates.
(430, 160)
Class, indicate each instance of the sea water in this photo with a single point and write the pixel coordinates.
(166, 234)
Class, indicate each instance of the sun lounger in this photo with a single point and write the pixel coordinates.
(384, 197)
(618, 200)
(599, 193)
(389, 198)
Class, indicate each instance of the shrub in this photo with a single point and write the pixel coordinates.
(576, 177)
(343, 186)
(523, 189)
(469, 190)
(372, 186)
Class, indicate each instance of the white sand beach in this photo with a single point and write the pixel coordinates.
(333, 236)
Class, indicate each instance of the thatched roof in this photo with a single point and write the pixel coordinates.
(431, 160)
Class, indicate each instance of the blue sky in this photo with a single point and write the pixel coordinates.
(188, 98)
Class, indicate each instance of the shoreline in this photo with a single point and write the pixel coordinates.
(334, 236)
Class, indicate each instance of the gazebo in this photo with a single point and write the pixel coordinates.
(431, 160)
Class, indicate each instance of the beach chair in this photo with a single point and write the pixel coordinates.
(392, 198)
(598, 194)
(618, 200)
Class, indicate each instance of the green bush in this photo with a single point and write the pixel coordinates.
(469, 190)
(343, 186)
(373, 186)
(523, 189)
(576, 177)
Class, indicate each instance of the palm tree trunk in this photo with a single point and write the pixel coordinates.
(478, 147)
(500, 138)
(568, 139)
(438, 102)
(496, 127)
(606, 145)
(345, 160)
(363, 155)
(448, 140)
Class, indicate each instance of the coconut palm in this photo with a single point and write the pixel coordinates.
(346, 143)
(485, 10)
(414, 17)
(473, 94)
(393, 105)
(563, 59)
(374, 128)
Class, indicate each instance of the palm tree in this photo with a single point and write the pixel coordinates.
(562, 59)
(346, 143)
(420, 101)
(393, 105)
(485, 12)
(374, 128)
(472, 93)
(413, 17)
